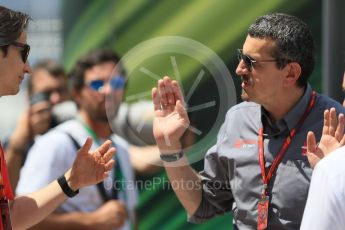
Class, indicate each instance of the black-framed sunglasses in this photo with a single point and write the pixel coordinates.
(248, 61)
(24, 49)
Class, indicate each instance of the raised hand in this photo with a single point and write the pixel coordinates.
(171, 119)
(91, 168)
(331, 139)
(35, 120)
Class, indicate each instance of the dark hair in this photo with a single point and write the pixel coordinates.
(53, 68)
(293, 41)
(95, 57)
(12, 24)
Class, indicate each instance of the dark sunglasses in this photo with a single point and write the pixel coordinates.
(24, 50)
(248, 61)
(116, 83)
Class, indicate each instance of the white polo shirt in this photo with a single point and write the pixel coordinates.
(325, 207)
(54, 153)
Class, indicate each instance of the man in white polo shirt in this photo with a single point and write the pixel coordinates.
(95, 77)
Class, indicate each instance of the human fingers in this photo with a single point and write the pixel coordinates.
(109, 165)
(104, 147)
(109, 154)
(342, 141)
(121, 209)
(162, 94)
(333, 121)
(169, 91)
(326, 122)
(121, 214)
(339, 133)
(311, 142)
(180, 108)
(86, 147)
(155, 99)
(178, 92)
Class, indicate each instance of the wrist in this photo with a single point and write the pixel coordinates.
(172, 157)
(69, 184)
(71, 181)
(169, 149)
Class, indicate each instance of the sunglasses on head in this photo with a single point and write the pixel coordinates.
(116, 83)
(248, 61)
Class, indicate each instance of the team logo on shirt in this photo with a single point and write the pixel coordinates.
(304, 149)
(239, 143)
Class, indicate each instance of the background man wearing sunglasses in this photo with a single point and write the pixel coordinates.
(265, 184)
(47, 87)
(88, 167)
(95, 77)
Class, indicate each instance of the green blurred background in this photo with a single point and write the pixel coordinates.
(220, 25)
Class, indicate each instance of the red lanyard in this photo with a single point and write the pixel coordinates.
(266, 178)
(5, 186)
(6, 194)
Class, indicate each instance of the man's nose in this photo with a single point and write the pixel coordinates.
(241, 69)
(55, 98)
(27, 68)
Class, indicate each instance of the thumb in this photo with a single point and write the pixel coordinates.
(313, 159)
(86, 147)
(311, 142)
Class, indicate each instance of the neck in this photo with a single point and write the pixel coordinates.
(100, 128)
(282, 105)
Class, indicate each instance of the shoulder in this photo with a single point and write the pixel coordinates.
(243, 115)
(324, 102)
(69, 126)
(242, 112)
(55, 141)
(245, 107)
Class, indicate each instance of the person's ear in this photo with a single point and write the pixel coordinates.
(76, 95)
(293, 73)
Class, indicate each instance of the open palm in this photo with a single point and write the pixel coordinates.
(171, 119)
(331, 139)
(92, 167)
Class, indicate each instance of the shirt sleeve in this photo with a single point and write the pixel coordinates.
(46, 161)
(325, 208)
(216, 192)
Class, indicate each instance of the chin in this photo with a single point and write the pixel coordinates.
(103, 117)
(244, 96)
(13, 92)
